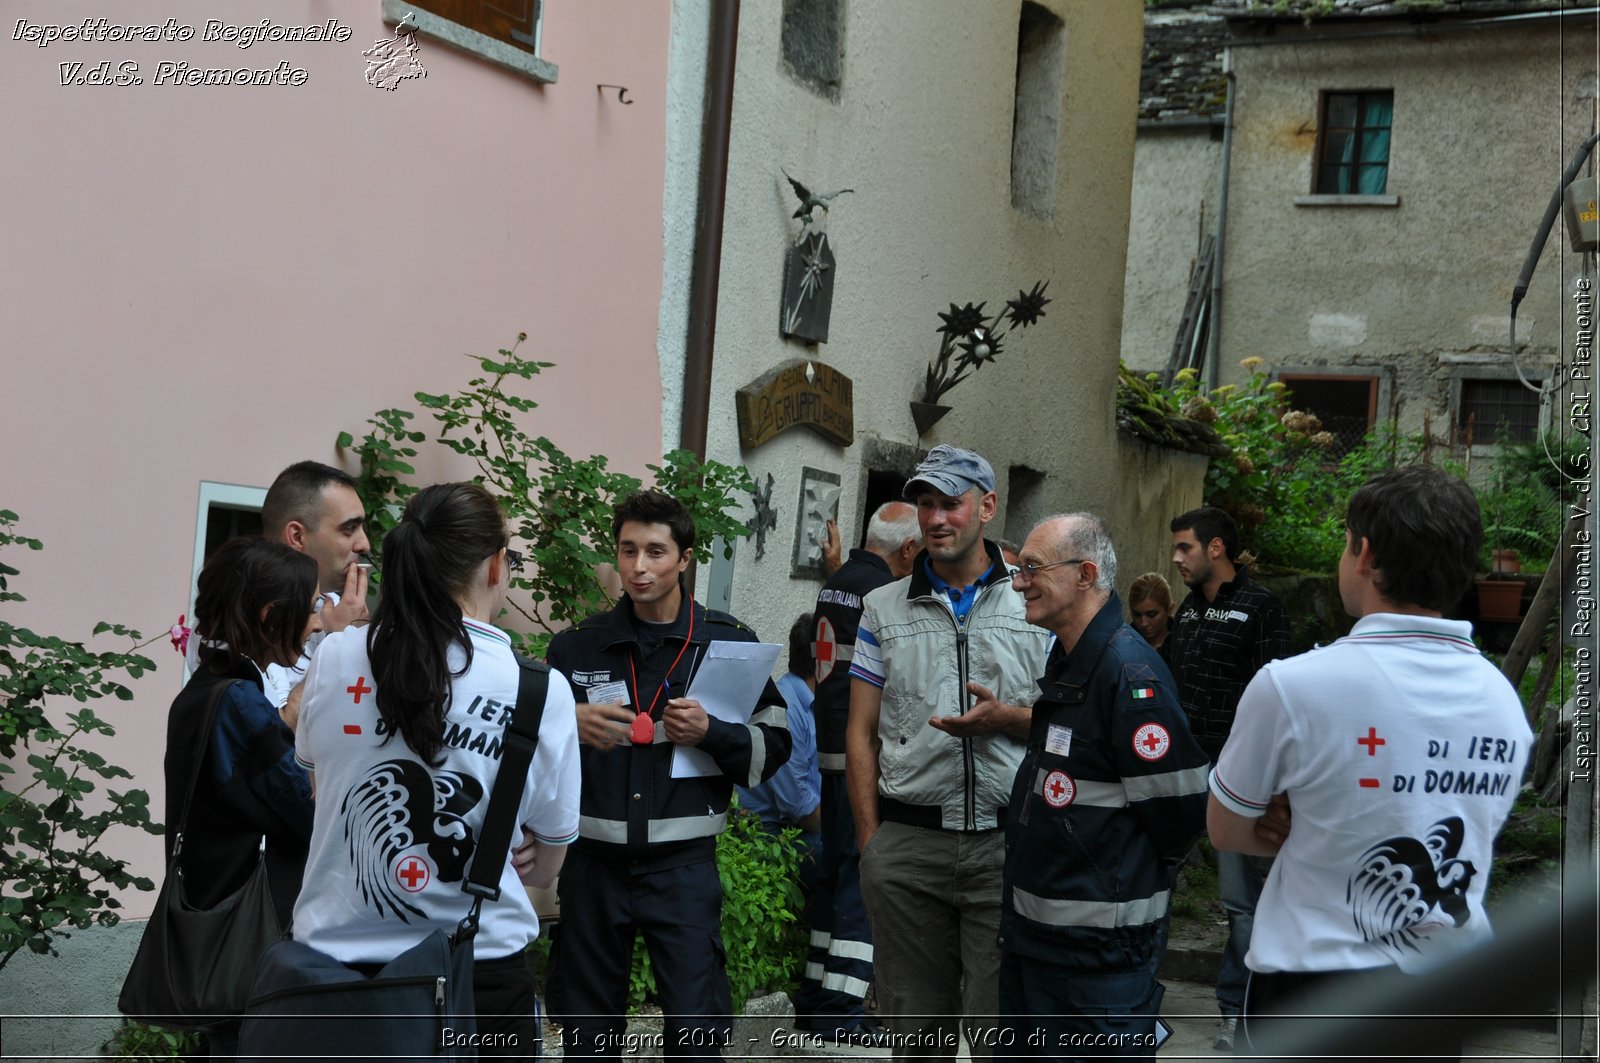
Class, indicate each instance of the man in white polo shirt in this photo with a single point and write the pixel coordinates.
(1399, 750)
(314, 508)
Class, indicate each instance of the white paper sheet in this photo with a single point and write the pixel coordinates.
(727, 685)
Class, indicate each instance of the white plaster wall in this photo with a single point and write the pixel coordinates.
(686, 98)
(1484, 123)
(922, 131)
(1157, 485)
(1175, 176)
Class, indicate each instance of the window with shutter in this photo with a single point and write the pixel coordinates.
(508, 33)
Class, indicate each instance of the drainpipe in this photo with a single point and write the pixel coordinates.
(1214, 337)
(706, 270)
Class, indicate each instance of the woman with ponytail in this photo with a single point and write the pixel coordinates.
(401, 725)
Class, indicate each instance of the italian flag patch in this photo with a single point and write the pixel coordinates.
(1143, 692)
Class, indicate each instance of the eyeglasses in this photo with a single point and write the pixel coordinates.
(514, 559)
(1027, 570)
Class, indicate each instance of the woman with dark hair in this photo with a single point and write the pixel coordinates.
(402, 724)
(255, 607)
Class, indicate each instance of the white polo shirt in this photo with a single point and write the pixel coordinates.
(392, 838)
(1401, 750)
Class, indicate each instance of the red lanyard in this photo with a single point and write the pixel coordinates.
(651, 711)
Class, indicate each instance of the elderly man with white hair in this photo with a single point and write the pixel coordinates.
(1110, 795)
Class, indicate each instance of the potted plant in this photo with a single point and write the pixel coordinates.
(1520, 507)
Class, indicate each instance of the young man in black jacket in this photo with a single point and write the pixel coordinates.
(1225, 630)
(645, 859)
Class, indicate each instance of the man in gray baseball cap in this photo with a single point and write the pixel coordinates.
(932, 848)
(950, 471)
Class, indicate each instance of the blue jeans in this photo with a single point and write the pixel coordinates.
(1052, 1012)
(1239, 881)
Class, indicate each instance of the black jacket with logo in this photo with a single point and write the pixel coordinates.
(1215, 648)
(833, 642)
(632, 810)
(1110, 796)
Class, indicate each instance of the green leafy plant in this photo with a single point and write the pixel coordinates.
(1522, 501)
(558, 505)
(1274, 469)
(1271, 471)
(762, 907)
(56, 871)
(137, 1043)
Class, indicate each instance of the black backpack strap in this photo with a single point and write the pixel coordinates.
(202, 742)
(516, 754)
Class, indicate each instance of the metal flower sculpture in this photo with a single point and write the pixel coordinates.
(978, 339)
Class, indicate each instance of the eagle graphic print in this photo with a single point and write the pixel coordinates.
(404, 825)
(1404, 888)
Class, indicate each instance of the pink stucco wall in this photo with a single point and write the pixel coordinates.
(208, 283)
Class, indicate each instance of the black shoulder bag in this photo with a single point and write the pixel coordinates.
(307, 1004)
(194, 965)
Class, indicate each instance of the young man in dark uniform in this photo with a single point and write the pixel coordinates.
(833, 987)
(645, 858)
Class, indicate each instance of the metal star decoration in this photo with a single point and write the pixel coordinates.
(1028, 307)
(814, 265)
(961, 320)
(978, 348)
(977, 337)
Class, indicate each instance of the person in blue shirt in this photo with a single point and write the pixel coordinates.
(793, 796)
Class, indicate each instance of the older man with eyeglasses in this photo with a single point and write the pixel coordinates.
(1109, 797)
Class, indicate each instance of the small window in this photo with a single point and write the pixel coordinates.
(1036, 117)
(1353, 143)
(508, 33)
(1025, 500)
(812, 41)
(1347, 406)
(224, 511)
(1488, 410)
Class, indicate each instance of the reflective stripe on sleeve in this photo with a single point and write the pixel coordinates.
(1104, 914)
(1167, 784)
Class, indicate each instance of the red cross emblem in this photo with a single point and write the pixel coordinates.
(822, 649)
(1151, 741)
(1372, 741)
(1059, 789)
(412, 873)
(359, 689)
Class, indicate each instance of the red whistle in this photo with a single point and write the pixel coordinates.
(643, 731)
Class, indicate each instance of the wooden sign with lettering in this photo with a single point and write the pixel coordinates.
(805, 393)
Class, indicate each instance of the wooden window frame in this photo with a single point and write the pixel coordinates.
(1358, 132)
(480, 28)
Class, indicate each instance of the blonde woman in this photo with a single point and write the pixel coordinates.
(1150, 607)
